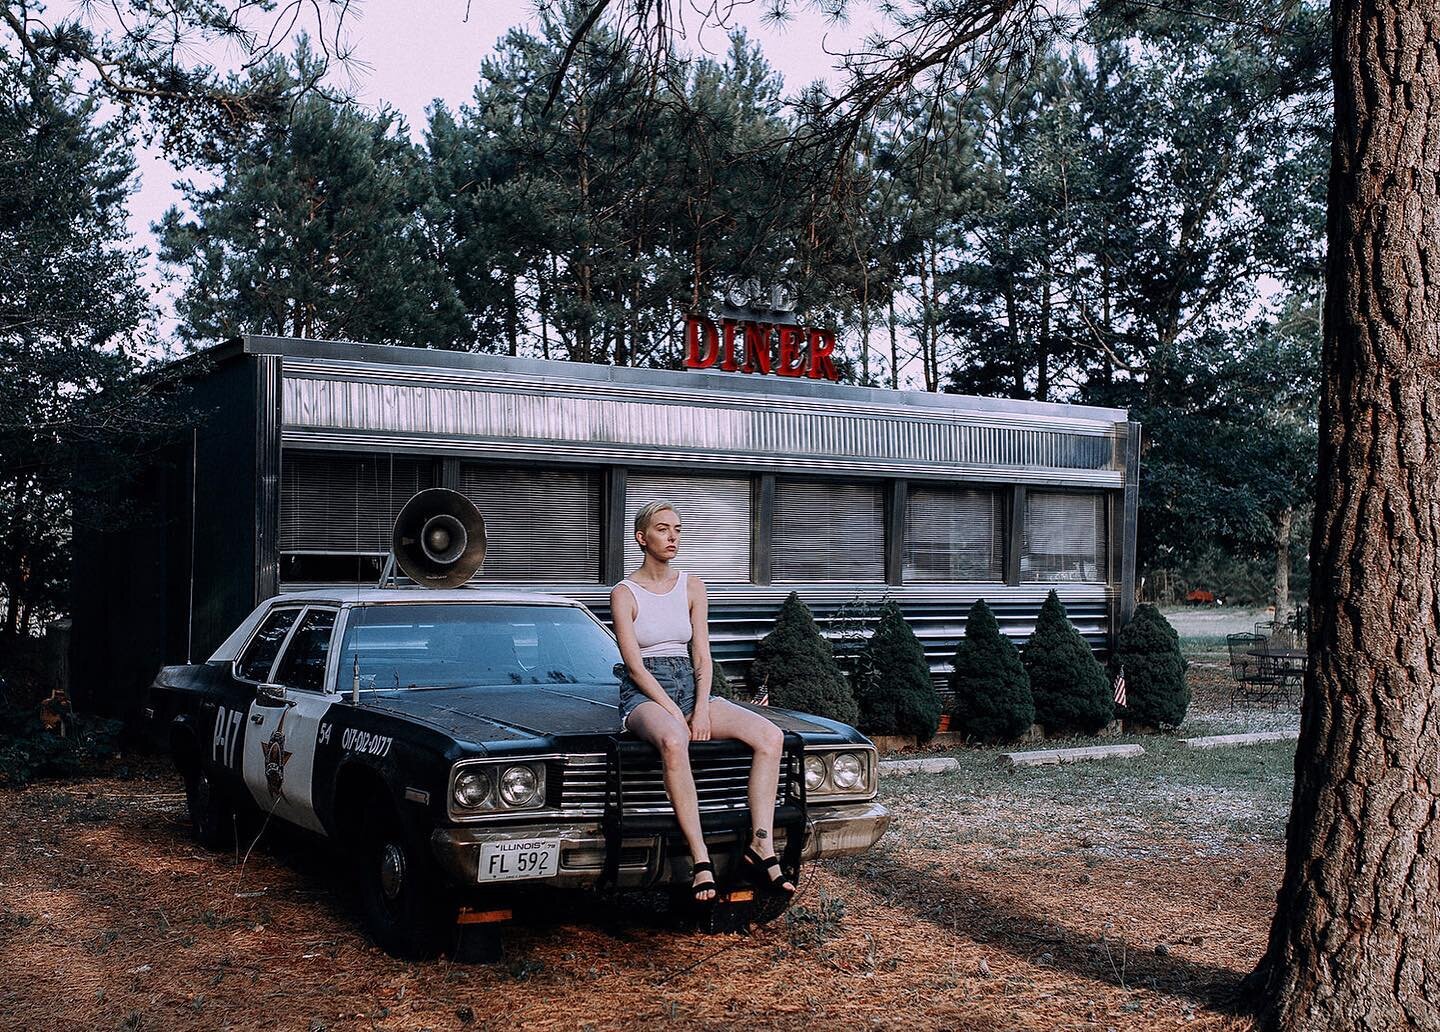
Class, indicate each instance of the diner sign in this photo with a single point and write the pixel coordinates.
(751, 346)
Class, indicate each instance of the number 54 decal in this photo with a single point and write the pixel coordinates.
(227, 734)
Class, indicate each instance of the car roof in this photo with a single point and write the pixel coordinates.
(367, 596)
(371, 596)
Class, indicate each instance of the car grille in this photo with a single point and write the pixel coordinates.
(721, 782)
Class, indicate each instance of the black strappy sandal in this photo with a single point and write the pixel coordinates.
(758, 869)
(707, 886)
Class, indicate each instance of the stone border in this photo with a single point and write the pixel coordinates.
(1253, 738)
(934, 765)
(1047, 757)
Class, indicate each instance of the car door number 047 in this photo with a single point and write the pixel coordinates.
(530, 858)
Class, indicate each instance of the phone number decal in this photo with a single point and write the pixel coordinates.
(366, 743)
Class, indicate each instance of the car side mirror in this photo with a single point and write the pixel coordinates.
(270, 695)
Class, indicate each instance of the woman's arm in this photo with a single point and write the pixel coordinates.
(622, 614)
(700, 658)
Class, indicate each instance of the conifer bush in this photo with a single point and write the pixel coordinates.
(1148, 651)
(896, 695)
(992, 691)
(1068, 683)
(796, 664)
(720, 685)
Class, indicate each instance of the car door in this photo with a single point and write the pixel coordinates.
(223, 713)
(280, 739)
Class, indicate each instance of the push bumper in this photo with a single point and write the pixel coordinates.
(649, 859)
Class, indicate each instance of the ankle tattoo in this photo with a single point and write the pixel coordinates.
(762, 834)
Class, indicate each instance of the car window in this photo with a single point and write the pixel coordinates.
(445, 645)
(259, 656)
(303, 665)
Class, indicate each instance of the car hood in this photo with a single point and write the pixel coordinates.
(504, 713)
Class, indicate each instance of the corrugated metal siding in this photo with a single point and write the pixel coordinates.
(697, 428)
(954, 534)
(346, 504)
(741, 616)
(1065, 537)
(540, 525)
(826, 531)
(715, 520)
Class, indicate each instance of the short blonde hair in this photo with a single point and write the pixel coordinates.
(647, 513)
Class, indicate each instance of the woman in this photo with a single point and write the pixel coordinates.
(660, 620)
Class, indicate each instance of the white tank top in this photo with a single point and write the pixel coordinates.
(662, 621)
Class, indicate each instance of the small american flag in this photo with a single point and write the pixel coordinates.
(1120, 687)
(762, 697)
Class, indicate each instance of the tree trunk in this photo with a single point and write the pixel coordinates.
(1356, 939)
(894, 346)
(1282, 560)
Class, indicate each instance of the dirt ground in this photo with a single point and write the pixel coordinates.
(972, 914)
(1123, 895)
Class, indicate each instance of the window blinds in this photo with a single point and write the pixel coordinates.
(954, 535)
(540, 525)
(828, 532)
(1064, 537)
(334, 503)
(716, 519)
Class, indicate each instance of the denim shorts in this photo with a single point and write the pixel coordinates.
(676, 676)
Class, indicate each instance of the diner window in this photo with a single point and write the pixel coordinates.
(1064, 537)
(541, 525)
(954, 534)
(716, 518)
(337, 504)
(828, 531)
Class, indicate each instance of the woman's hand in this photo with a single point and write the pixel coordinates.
(700, 722)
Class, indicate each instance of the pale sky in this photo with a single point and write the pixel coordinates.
(409, 54)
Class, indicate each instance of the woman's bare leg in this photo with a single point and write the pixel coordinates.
(672, 738)
(768, 743)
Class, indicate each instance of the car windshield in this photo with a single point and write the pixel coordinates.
(450, 645)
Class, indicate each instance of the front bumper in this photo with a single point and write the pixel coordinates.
(652, 859)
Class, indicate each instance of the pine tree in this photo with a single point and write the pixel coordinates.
(1070, 688)
(720, 684)
(72, 312)
(1148, 652)
(797, 666)
(317, 229)
(896, 694)
(992, 692)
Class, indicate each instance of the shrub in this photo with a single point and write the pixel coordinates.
(720, 686)
(992, 692)
(797, 665)
(29, 749)
(896, 695)
(1068, 683)
(1148, 651)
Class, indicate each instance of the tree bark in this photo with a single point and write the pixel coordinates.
(1356, 939)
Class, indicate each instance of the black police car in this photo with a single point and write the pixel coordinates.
(461, 743)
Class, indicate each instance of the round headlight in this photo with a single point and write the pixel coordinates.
(814, 773)
(847, 770)
(471, 788)
(517, 786)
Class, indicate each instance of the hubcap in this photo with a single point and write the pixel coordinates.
(392, 870)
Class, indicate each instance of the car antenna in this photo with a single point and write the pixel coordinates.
(355, 682)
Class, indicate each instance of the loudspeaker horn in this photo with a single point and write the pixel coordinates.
(439, 538)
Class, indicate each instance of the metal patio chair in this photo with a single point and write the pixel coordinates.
(1254, 677)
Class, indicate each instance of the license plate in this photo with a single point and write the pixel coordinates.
(527, 858)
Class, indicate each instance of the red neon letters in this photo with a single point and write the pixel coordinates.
(756, 347)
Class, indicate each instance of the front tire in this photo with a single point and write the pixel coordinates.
(404, 904)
